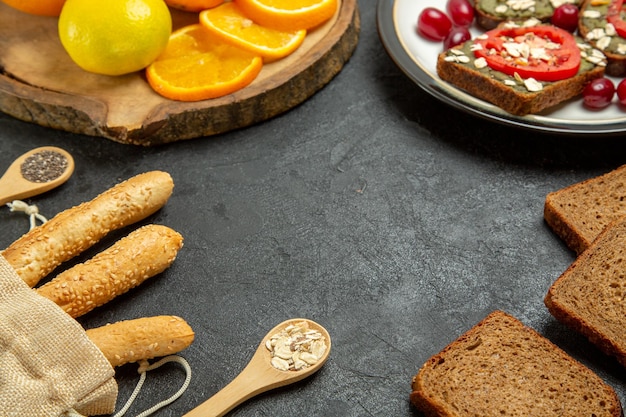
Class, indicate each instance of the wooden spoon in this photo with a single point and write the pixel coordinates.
(259, 376)
(15, 186)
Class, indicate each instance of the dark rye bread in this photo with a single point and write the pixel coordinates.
(490, 85)
(501, 367)
(615, 51)
(589, 296)
(488, 17)
(579, 212)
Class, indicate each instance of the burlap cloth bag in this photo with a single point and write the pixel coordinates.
(48, 366)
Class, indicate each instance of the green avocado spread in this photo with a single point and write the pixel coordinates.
(596, 19)
(500, 76)
(512, 10)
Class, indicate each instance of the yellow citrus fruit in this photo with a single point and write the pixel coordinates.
(114, 37)
(38, 7)
(197, 65)
(193, 5)
(229, 23)
(289, 14)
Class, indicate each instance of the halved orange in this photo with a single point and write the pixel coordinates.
(197, 65)
(229, 23)
(289, 14)
(193, 5)
(38, 7)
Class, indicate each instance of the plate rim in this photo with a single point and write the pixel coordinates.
(437, 88)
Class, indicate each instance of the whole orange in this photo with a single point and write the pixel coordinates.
(114, 37)
(38, 7)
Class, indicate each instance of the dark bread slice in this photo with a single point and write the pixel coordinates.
(579, 212)
(616, 60)
(488, 17)
(589, 295)
(501, 367)
(490, 85)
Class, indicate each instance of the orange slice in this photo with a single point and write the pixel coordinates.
(196, 65)
(289, 14)
(229, 23)
(193, 5)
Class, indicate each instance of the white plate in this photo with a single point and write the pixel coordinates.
(417, 58)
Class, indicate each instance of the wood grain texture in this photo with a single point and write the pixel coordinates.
(40, 84)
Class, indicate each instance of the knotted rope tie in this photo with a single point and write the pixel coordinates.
(31, 211)
(144, 367)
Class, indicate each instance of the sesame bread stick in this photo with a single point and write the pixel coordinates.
(141, 339)
(133, 259)
(38, 252)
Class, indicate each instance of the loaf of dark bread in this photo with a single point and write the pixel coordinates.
(459, 67)
(579, 212)
(501, 367)
(490, 13)
(593, 26)
(589, 295)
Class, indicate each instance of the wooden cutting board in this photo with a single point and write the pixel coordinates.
(40, 84)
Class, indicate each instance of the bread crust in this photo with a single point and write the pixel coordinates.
(141, 339)
(515, 102)
(562, 226)
(579, 212)
(142, 254)
(486, 20)
(40, 251)
(593, 266)
(512, 354)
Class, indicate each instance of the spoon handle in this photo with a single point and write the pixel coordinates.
(260, 375)
(245, 386)
(15, 187)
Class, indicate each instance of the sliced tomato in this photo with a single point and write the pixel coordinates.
(560, 57)
(614, 17)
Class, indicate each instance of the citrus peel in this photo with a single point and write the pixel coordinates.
(193, 5)
(229, 23)
(114, 37)
(37, 7)
(197, 65)
(289, 14)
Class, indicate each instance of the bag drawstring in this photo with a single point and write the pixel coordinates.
(31, 210)
(144, 367)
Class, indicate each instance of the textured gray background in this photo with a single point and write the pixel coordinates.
(392, 219)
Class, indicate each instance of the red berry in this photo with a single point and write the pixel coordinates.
(461, 12)
(598, 93)
(457, 36)
(566, 17)
(621, 92)
(433, 24)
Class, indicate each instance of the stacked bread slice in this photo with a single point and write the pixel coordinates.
(590, 295)
(579, 212)
(500, 367)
